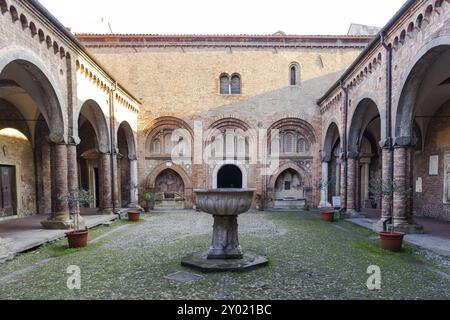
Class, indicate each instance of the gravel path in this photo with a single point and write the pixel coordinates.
(166, 228)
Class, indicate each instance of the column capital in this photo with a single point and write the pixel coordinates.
(386, 143)
(326, 156)
(56, 138)
(74, 141)
(405, 141)
(353, 155)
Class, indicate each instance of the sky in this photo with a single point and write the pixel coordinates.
(221, 16)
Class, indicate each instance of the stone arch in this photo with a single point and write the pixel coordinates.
(28, 71)
(169, 123)
(242, 127)
(297, 124)
(290, 165)
(151, 178)
(365, 112)
(331, 137)
(410, 85)
(130, 137)
(305, 177)
(92, 111)
(221, 164)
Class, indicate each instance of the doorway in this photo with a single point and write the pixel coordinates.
(229, 177)
(8, 191)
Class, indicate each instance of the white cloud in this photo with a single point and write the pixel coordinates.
(221, 16)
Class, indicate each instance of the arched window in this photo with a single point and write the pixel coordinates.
(301, 145)
(224, 84)
(289, 143)
(3, 6)
(235, 84)
(168, 143)
(241, 147)
(419, 21)
(156, 146)
(294, 74)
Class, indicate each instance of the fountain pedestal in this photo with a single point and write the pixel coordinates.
(225, 242)
(225, 253)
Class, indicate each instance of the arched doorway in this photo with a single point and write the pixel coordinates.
(170, 190)
(93, 157)
(34, 138)
(364, 163)
(331, 167)
(289, 190)
(229, 176)
(126, 166)
(422, 138)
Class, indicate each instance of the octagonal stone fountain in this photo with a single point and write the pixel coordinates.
(225, 254)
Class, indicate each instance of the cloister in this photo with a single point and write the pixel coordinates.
(310, 122)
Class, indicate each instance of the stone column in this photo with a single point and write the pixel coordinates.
(400, 181)
(357, 186)
(105, 183)
(60, 218)
(351, 185)
(342, 186)
(365, 184)
(324, 187)
(402, 192)
(72, 183)
(386, 173)
(134, 202)
(116, 171)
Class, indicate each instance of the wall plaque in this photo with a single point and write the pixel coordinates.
(434, 166)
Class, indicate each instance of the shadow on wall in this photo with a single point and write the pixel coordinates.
(284, 102)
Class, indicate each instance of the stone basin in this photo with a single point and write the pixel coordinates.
(224, 202)
(225, 253)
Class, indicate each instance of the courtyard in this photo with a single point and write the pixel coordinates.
(308, 259)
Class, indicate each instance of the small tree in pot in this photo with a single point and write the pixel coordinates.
(326, 214)
(78, 237)
(384, 189)
(262, 200)
(149, 199)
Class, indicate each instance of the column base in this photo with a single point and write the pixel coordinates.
(407, 227)
(106, 211)
(58, 223)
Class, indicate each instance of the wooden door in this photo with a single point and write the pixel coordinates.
(7, 205)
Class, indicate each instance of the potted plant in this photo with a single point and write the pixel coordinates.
(149, 201)
(390, 239)
(327, 215)
(78, 237)
(262, 200)
(134, 216)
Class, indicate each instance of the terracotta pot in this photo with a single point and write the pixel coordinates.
(134, 216)
(391, 241)
(327, 216)
(77, 238)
